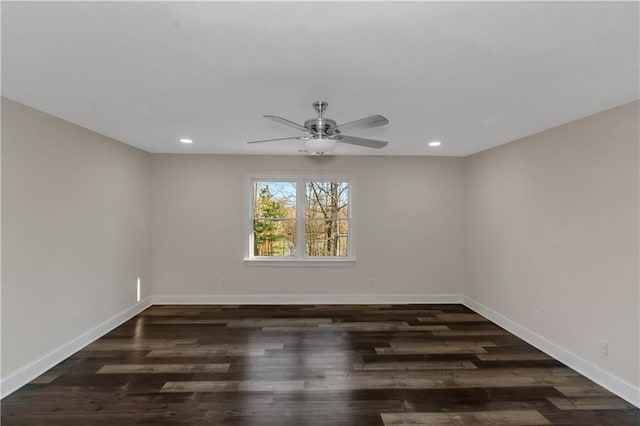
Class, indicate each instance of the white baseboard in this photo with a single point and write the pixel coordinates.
(303, 299)
(19, 378)
(618, 386)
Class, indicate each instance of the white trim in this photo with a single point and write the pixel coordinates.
(303, 299)
(618, 386)
(274, 261)
(24, 375)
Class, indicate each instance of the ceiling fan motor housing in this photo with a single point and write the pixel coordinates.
(321, 126)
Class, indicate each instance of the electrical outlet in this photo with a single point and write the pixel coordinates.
(75, 319)
(223, 282)
(537, 315)
(603, 347)
(372, 282)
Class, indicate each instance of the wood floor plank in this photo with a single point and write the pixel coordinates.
(369, 327)
(454, 317)
(199, 352)
(163, 368)
(277, 322)
(139, 344)
(590, 403)
(447, 347)
(502, 418)
(182, 321)
(417, 365)
(442, 382)
(471, 333)
(466, 373)
(234, 386)
(583, 390)
(535, 356)
(46, 378)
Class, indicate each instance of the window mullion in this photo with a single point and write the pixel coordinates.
(350, 233)
(300, 215)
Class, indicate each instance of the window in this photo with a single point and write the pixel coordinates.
(300, 219)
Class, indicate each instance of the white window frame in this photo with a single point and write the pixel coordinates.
(300, 259)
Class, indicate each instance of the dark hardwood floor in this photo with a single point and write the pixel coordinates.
(312, 365)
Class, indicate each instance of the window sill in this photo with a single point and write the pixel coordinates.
(252, 261)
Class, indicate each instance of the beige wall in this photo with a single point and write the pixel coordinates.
(552, 225)
(409, 215)
(75, 224)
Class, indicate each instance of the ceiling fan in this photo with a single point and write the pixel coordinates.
(322, 134)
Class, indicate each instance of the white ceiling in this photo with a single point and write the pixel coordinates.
(474, 75)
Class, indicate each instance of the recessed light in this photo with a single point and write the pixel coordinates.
(435, 143)
(185, 140)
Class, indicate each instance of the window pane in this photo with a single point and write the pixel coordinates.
(327, 200)
(274, 199)
(274, 237)
(326, 237)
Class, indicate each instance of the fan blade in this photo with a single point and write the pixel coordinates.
(286, 122)
(277, 139)
(369, 143)
(364, 123)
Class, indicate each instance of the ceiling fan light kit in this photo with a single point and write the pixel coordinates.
(320, 146)
(323, 134)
